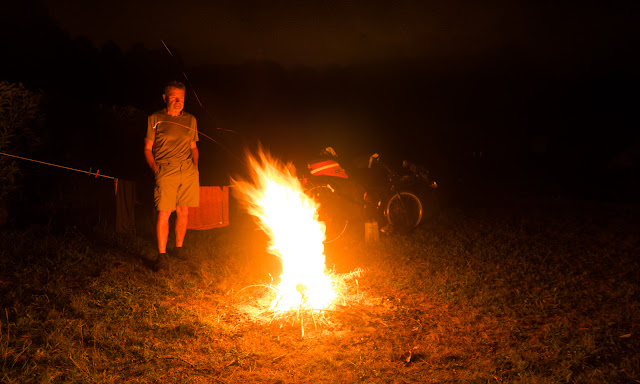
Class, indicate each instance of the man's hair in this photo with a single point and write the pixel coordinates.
(174, 84)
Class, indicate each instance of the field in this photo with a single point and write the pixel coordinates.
(518, 291)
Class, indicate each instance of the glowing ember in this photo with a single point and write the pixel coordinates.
(289, 217)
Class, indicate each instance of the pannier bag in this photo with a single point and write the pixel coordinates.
(327, 168)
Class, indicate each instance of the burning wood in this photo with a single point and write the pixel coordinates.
(290, 219)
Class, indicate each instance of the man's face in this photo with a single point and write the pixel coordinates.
(174, 98)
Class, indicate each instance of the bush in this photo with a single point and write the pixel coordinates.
(20, 116)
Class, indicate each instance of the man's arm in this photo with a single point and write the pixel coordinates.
(195, 153)
(148, 154)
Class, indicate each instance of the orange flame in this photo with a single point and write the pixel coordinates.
(289, 218)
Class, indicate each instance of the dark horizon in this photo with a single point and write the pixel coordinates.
(562, 115)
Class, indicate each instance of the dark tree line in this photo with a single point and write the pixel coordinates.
(499, 115)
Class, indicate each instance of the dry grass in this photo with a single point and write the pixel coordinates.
(536, 292)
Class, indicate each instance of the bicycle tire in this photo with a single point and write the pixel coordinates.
(403, 211)
(329, 212)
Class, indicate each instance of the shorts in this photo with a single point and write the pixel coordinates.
(177, 184)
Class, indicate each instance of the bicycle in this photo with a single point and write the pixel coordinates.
(397, 203)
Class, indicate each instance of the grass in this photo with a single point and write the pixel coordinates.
(524, 292)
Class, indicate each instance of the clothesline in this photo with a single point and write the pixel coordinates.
(213, 211)
(96, 174)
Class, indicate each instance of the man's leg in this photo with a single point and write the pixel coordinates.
(162, 230)
(182, 217)
(188, 194)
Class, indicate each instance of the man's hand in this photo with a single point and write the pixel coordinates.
(148, 155)
(195, 154)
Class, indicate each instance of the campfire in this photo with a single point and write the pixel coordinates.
(290, 219)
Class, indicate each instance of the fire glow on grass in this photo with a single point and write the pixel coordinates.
(289, 217)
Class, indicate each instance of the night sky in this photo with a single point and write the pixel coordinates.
(541, 88)
(559, 34)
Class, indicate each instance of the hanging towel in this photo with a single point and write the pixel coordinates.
(213, 211)
(125, 206)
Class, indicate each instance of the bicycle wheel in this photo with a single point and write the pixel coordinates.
(329, 211)
(403, 211)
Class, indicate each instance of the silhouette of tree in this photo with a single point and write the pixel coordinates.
(20, 116)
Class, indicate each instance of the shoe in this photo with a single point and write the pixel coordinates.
(180, 253)
(162, 262)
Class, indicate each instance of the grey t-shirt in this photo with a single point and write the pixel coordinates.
(172, 136)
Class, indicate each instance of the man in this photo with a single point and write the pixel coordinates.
(172, 154)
